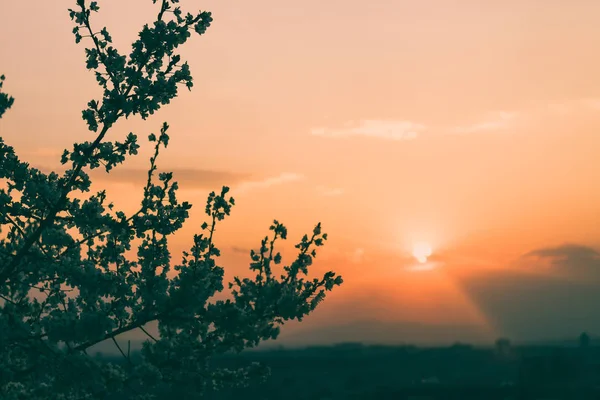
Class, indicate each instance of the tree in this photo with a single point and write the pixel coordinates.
(68, 282)
(584, 340)
(503, 347)
(6, 101)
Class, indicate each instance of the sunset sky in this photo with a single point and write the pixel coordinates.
(473, 126)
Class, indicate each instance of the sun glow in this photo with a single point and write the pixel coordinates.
(421, 251)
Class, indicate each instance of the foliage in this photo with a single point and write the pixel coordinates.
(69, 273)
(5, 100)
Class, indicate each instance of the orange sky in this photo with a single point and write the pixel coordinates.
(471, 125)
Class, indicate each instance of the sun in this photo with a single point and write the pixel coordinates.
(421, 251)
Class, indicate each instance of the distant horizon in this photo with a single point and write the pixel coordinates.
(136, 344)
(271, 345)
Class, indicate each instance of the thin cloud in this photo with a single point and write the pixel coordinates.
(566, 251)
(570, 106)
(283, 178)
(357, 256)
(329, 192)
(380, 129)
(496, 121)
(427, 266)
(572, 259)
(192, 179)
(187, 178)
(240, 250)
(593, 103)
(43, 152)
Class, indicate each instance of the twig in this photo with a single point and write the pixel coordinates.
(149, 335)
(120, 350)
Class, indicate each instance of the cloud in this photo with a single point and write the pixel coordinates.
(329, 192)
(427, 266)
(240, 250)
(42, 152)
(573, 259)
(187, 178)
(380, 129)
(527, 306)
(283, 178)
(568, 107)
(191, 179)
(592, 103)
(357, 256)
(494, 122)
(566, 251)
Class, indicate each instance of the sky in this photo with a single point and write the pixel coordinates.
(471, 126)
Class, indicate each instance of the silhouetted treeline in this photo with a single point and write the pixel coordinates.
(356, 371)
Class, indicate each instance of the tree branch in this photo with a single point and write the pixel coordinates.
(116, 332)
(148, 334)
